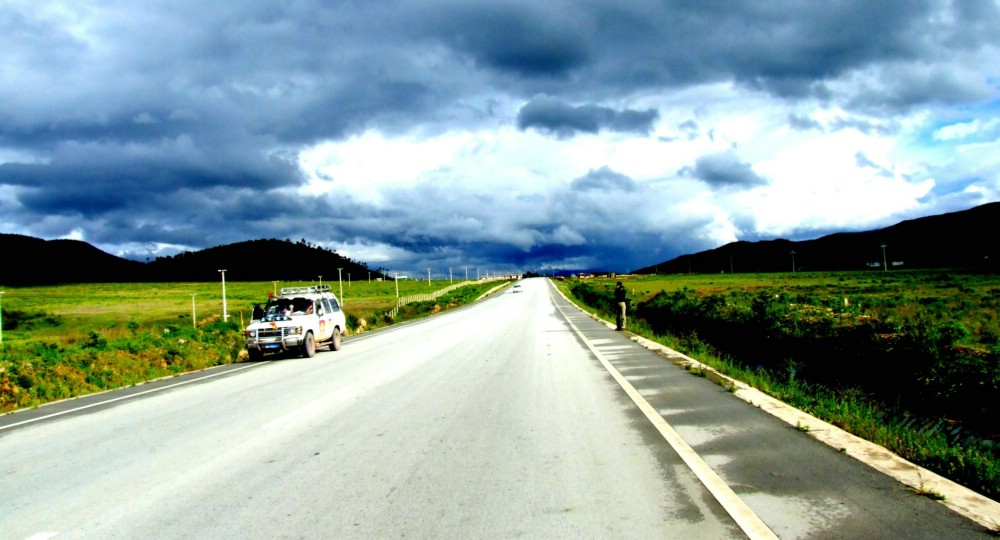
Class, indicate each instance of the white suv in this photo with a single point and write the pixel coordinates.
(301, 320)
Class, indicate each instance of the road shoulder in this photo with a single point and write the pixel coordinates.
(958, 498)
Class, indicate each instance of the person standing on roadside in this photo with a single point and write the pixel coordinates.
(620, 299)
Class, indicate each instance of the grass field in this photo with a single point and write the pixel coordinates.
(970, 299)
(107, 307)
(70, 340)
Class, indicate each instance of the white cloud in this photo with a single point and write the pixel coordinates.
(817, 183)
(962, 130)
(75, 234)
(365, 165)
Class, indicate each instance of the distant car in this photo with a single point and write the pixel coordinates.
(517, 288)
(299, 321)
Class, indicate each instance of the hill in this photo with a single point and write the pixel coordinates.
(259, 260)
(32, 261)
(965, 239)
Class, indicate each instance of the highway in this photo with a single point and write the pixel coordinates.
(516, 417)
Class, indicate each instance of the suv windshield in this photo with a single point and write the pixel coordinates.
(289, 306)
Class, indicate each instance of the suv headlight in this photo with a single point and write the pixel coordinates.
(294, 331)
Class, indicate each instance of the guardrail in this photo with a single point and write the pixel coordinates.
(434, 295)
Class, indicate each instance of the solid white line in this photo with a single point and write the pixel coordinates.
(130, 396)
(751, 524)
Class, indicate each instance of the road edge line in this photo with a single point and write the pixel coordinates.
(742, 514)
(129, 396)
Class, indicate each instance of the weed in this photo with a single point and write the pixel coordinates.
(924, 491)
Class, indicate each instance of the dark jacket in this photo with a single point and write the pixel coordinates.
(619, 293)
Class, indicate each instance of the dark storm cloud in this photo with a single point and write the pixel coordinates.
(724, 170)
(553, 115)
(525, 38)
(91, 179)
(579, 226)
(603, 179)
(802, 123)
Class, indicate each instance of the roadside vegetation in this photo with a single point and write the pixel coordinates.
(908, 360)
(71, 340)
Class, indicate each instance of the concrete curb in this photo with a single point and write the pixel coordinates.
(491, 291)
(958, 498)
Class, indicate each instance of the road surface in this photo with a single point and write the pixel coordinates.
(517, 417)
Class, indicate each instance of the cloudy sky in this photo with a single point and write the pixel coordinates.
(522, 135)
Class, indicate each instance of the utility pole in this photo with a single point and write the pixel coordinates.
(885, 262)
(341, 282)
(395, 277)
(792, 253)
(451, 278)
(1, 316)
(466, 273)
(321, 280)
(275, 283)
(428, 277)
(192, 310)
(225, 313)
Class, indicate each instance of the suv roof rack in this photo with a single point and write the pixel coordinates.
(305, 290)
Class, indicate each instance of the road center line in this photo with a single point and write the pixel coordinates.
(130, 396)
(730, 501)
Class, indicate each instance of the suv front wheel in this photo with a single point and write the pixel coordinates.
(309, 346)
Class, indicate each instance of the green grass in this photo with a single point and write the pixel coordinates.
(70, 340)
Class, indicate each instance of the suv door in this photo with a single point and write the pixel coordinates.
(326, 323)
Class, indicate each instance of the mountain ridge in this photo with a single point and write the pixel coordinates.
(962, 239)
(50, 262)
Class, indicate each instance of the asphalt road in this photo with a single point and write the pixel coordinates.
(516, 417)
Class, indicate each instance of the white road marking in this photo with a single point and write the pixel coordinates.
(751, 524)
(43, 536)
(130, 396)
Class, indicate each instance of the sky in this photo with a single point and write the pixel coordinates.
(526, 135)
